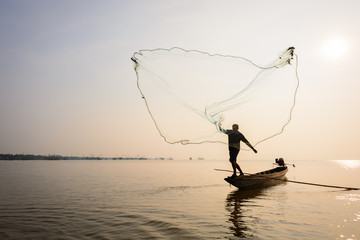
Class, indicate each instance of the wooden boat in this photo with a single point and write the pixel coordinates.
(258, 179)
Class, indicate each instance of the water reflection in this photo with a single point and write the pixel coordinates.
(241, 205)
(235, 204)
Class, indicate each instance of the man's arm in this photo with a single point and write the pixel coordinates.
(221, 129)
(249, 145)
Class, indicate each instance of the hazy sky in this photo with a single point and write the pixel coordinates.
(67, 85)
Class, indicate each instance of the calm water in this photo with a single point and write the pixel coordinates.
(174, 200)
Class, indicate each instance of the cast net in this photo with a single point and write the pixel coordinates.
(189, 93)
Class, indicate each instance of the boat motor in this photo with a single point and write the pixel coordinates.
(280, 162)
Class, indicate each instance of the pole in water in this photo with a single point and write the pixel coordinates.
(319, 185)
(222, 170)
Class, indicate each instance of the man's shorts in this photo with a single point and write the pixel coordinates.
(233, 152)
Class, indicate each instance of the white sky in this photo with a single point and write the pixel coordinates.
(67, 85)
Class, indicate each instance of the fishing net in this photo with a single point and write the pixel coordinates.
(189, 93)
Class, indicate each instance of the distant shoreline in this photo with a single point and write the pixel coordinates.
(16, 157)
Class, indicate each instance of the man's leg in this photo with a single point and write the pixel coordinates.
(233, 164)
(238, 167)
(236, 152)
(233, 155)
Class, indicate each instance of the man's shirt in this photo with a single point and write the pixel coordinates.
(235, 137)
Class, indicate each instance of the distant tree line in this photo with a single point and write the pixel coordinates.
(59, 157)
(35, 157)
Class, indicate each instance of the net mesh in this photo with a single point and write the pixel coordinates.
(189, 93)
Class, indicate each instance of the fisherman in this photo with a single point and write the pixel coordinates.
(234, 146)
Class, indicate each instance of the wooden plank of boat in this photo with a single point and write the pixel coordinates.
(257, 179)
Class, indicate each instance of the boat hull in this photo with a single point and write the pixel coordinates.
(258, 179)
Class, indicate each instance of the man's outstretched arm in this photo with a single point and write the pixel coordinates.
(249, 145)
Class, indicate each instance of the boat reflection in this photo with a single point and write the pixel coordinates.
(240, 203)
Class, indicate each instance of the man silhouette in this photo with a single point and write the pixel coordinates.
(234, 145)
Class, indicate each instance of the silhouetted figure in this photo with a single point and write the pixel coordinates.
(234, 146)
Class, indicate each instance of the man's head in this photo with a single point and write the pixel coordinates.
(235, 127)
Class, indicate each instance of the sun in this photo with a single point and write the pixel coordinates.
(335, 48)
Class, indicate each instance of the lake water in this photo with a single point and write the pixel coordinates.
(174, 199)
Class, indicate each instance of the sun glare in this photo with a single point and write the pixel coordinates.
(349, 164)
(335, 48)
